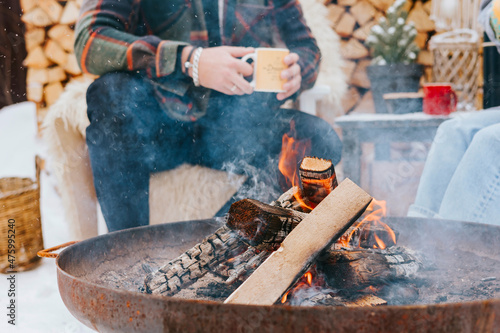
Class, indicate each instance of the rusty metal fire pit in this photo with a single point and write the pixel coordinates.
(99, 280)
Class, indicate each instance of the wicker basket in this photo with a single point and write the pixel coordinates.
(20, 202)
(456, 60)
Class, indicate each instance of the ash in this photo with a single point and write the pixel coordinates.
(459, 276)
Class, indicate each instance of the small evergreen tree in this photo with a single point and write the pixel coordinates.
(393, 40)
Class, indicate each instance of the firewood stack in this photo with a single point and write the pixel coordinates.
(51, 61)
(352, 20)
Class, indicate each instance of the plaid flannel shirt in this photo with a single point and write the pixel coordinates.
(148, 35)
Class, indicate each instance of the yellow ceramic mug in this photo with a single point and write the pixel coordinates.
(268, 65)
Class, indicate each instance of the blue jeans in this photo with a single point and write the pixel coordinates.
(130, 137)
(461, 177)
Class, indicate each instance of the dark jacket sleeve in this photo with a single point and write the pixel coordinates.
(105, 41)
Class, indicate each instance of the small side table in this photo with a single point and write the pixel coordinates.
(381, 129)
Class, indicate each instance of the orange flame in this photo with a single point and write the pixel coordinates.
(309, 278)
(374, 213)
(292, 152)
(380, 243)
(306, 281)
(285, 297)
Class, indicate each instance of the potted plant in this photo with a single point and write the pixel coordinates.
(394, 51)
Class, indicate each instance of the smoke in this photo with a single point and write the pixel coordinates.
(260, 184)
(315, 296)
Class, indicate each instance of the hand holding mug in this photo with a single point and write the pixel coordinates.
(275, 70)
(221, 69)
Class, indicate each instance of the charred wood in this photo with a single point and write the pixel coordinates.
(261, 224)
(358, 269)
(194, 263)
(287, 200)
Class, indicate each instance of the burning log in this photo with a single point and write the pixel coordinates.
(318, 178)
(367, 235)
(358, 269)
(259, 223)
(370, 232)
(325, 224)
(356, 278)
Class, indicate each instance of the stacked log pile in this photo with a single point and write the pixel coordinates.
(352, 20)
(50, 60)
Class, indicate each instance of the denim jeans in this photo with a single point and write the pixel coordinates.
(461, 177)
(130, 137)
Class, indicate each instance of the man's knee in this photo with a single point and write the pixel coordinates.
(115, 93)
(113, 104)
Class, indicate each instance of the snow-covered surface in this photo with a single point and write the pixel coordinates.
(417, 116)
(39, 307)
(387, 117)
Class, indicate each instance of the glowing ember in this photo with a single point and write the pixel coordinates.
(285, 297)
(308, 277)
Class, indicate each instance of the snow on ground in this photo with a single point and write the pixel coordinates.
(39, 307)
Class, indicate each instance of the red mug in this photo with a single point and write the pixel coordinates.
(439, 99)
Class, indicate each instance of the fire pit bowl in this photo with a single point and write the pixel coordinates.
(99, 281)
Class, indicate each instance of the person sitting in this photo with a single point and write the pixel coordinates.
(150, 112)
(461, 176)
